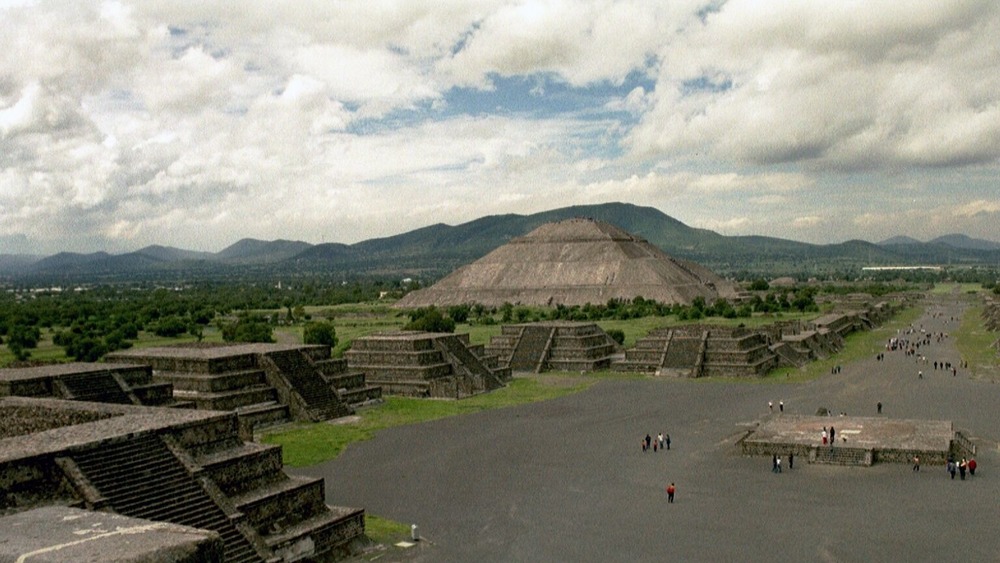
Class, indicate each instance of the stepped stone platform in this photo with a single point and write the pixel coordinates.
(264, 383)
(104, 383)
(59, 533)
(426, 364)
(177, 466)
(859, 440)
(553, 345)
(701, 351)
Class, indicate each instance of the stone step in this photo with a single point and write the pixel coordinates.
(284, 503)
(322, 532)
(228, 400)
(213, 382)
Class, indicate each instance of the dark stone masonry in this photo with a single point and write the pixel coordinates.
(182, 467)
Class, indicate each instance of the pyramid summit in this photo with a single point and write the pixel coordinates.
(573, 262)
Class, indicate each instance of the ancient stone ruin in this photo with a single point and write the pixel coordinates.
(701, 351)
(264, 383)
(860, 441)
(153, 465)
(426, 364)
(125, 384)
(574, 262)
(554, 345)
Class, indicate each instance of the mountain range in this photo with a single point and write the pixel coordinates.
(435, 250)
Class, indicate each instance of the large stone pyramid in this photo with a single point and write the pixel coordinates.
(573, 262)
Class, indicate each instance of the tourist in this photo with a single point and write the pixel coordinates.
(777, 465)
(774, 463)
(770, 406)
(833, 433)
(962, 466)
(643, 442)
(671, 489)
(972, 467)
(659, 438)
(916, 463)
(668, 441)
(951, 468)
(791, 460)
(920, 375)
(648, 441)
(824, 435)
(878, 407)
(781, 406)
(655, 444)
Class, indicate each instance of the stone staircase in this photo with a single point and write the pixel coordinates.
(352, 386)
(141, 478)
(425, 364)
(122, 384)
(199, 473)
(320, 400)
(100, 387)
(696, 351)
(559, 345)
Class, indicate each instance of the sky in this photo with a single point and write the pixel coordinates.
(197, 124)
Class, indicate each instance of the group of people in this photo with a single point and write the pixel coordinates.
(781, 406)
(660, 443)
(962, 467)
(776, 462)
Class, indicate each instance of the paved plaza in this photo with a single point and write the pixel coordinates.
(566, 480)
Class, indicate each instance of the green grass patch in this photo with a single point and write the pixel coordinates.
(385, 531)
(857, 346)
(309, 444)
(974, 343)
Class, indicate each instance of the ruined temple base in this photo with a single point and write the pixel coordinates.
(859, 440)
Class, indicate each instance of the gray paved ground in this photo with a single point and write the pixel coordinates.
(565, 480)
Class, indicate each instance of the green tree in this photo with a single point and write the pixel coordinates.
(430, 320)
(320, 332)
(249, 328)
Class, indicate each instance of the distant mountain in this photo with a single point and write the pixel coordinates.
(962, 241)
(250, 250)
(170, 254)
(16, 263)
(438, 249)
(899, 240)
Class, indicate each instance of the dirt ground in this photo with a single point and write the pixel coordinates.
(566, 480)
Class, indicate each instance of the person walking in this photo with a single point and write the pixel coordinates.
(962, 467)
(972, 467)
(781, 406)
(659, 438)
(668, 441)
(791, 460)
(671, 489)
(916, 463)
(774, 463)
(778, 465)
(878, 407)
(833, 436)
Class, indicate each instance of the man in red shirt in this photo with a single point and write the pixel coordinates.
(670, 492)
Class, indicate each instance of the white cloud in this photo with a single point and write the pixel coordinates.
(128, 123)
(846, 85)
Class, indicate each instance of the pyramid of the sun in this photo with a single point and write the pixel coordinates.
(573, 262)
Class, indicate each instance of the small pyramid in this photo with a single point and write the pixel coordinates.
(573, 262)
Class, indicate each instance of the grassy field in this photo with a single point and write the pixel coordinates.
(309, 444)
(974, 343)
(858, 345)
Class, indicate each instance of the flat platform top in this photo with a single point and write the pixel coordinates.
(122, 420)
(860, 432)
(207, 352)
(55, 370)
(406, 335)
(54, 533)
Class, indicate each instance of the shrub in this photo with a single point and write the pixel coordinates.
(320, 332)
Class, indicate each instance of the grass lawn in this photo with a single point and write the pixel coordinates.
(974, 343)
(312, 443)
(858, 345)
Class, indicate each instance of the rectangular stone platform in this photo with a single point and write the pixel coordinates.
(882, 439)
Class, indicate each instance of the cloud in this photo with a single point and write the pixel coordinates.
(852, 85)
